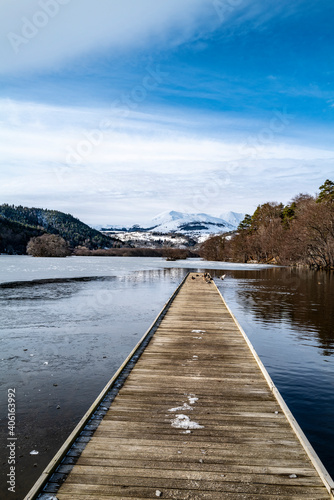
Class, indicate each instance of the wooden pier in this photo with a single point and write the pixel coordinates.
(198, 417)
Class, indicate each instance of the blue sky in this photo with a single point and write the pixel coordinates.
(116, 111)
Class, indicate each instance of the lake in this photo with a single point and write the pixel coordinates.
(68, 324)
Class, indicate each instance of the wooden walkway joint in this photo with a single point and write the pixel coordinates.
(198, 417)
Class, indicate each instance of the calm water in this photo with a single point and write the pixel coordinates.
(62, 340)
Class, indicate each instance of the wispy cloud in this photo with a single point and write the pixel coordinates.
(149, 161)
(42, 34)
(46, 34)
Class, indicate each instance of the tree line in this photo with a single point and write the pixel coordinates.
(299, 233)
(50, 245)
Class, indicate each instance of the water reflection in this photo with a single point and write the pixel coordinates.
(301, 299)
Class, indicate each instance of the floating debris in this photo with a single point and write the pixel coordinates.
(45, 363)
(158, 493)
(34, 452)
(198, 331)
(293, 476)
(192, 399)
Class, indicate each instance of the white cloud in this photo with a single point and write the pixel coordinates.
(47, 33)
(146, 164)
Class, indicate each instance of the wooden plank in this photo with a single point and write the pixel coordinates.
(198, 466)
(238, 488)
(93, 492)
(268, 478)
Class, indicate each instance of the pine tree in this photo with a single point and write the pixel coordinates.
(326, 192)
(246, 223)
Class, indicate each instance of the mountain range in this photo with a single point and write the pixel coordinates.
(183, 223)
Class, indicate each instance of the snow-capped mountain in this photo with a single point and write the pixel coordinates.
(233, 218)
(184, 223)
(174, 229)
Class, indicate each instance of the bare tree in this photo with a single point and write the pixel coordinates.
(215, 248)
(301, 233)
(48, 245)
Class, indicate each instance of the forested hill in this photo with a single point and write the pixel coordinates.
(14, 236)
(18, 224)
